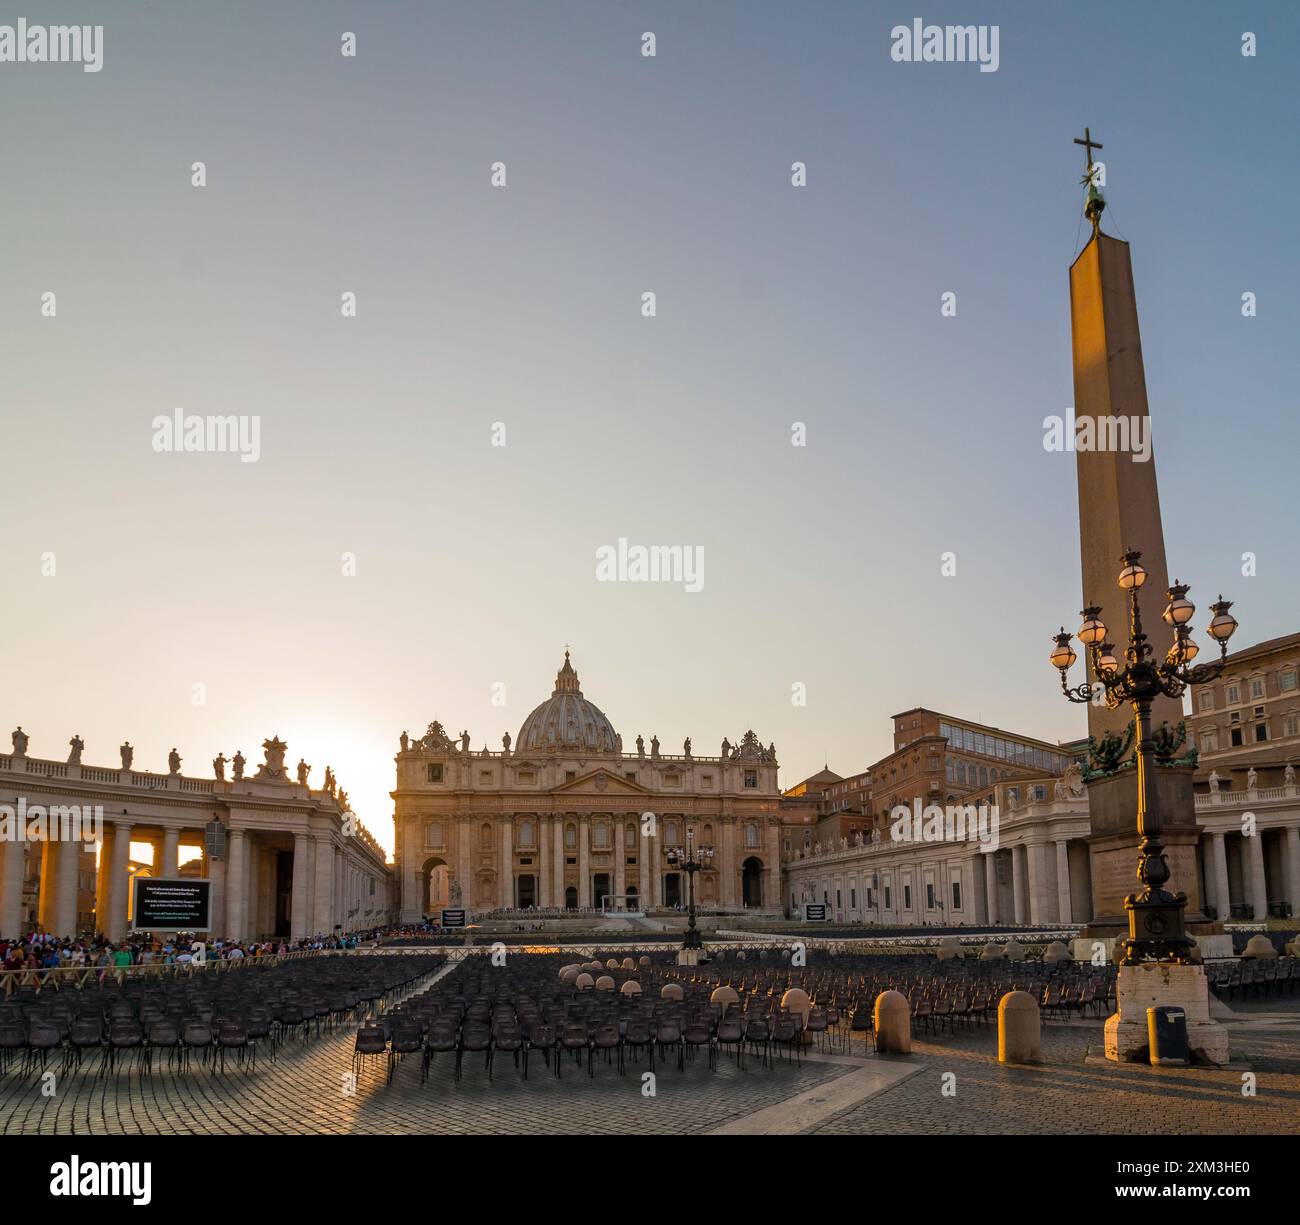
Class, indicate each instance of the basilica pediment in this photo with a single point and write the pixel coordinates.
(600, 782)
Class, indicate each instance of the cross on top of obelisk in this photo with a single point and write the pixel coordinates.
(1089, 145)
(1096, 204)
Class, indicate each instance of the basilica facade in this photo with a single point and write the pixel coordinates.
(566, 817)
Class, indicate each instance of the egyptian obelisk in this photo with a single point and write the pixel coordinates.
(1119, 510)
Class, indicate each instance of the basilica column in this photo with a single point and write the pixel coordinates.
(322, 909)
(171, 854)
(465, 862)
(545, 873)
(644, 889)
(618, 827)
(506, 867)
(301, 883)
(1017, 886)
(728, 867)
(1219, 876)
(557, 822)
(118, 883)
(236, 878)
(1064, 901)
(772, 889)
(584, 860)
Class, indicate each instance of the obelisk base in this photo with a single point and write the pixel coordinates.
(1159, 984)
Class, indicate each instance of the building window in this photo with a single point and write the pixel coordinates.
(1291, 725)
(435, 773)
(526, 834)
(485, 776)
(670, 833)
(570, 836)
(570, 775)
(1236, 737)
(751, 778)
(907, 897)
(1286, 681)
(1207, 700)
(1210, 740)
(706, 781)
(1257, 687)
(527, 776)
(751, 836)
(1233, 695)
(1261, 732)
(956, 895)
(433, 835)
(672, 780)
(929, 895)
(629, 838)
(630, 775)
(601, 832)
(853, 898)
(485, 836)
(888, 903)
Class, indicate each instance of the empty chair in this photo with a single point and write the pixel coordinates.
(165, 1037)
(125, 1040)
(408, 1039)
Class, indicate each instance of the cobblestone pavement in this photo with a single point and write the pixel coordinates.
(1066, 1096)
(303, 1091)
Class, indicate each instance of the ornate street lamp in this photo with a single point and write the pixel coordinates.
(1156, 930)
(689, 863)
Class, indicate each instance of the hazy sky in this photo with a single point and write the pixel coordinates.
(522, 305)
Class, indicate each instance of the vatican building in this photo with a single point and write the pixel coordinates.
(567, 817)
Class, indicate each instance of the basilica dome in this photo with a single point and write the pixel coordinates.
(566, 721)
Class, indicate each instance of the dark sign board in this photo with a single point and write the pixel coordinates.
(453, 918)
(171, 905)
(814, 912)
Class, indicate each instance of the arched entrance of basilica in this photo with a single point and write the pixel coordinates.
(751, 882)
(435, 885)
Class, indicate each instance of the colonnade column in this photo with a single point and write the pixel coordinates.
(1293, 869)
(1064, 902)
(1256, 881)
(170, 865)
(1219, 876)
(11, 886)
(1017, 888)
(233, 928)
(322, 911)
(118, 883)
(301, 876)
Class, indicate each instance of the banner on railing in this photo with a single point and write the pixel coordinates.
(178, 905)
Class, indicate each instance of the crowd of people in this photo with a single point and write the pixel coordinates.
(40, 951)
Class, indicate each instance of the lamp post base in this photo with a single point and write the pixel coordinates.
(1155, 984)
